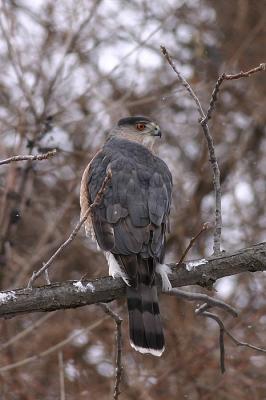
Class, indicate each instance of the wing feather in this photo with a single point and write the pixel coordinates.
(136, 205)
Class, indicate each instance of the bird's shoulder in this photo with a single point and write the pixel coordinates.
(131, 158)
(133, 152)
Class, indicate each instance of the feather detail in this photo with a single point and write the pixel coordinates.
(85, 202)
(145, 326)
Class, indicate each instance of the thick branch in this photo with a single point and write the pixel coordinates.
(72, 294)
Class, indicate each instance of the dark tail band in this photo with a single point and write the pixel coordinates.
(145, 327)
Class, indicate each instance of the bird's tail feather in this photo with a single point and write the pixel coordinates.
(145, 327)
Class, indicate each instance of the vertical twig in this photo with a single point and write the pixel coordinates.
(207, 314)
(118, 359)
(213, 159)
(61, 376)
(204, 124)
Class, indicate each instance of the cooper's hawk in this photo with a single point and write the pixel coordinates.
(131, 222)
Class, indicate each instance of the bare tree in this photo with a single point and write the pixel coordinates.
(68, 71)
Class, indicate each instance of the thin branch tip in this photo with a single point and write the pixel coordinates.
(97, 201)
(36, 157)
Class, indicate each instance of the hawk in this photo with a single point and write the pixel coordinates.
(131, 221)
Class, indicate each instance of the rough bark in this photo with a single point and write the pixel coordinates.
(70, 294)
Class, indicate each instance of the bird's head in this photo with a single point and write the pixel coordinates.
(139, 129)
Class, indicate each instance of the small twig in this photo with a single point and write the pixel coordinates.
(202, 308)
(228, 77)
(204, 123)
(61, 376)
(118, 359)
(110, 312)
(183, 81)
(244, 344)
(74, 233)
(223, 331)
(211, 302)
(213, 159)
(221, 336)
(37, 157)
(205, 226)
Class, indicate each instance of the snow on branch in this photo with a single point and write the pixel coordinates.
(64, 295)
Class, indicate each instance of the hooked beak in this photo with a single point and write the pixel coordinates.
(155, 131)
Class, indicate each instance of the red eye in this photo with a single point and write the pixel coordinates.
(140, 126)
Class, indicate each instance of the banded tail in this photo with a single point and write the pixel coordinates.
(145, 326)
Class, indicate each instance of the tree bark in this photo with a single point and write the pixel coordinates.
(72, 294)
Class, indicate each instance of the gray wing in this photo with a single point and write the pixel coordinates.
(133, 215)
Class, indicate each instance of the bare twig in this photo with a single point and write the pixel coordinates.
(192, 241)
(221, 336)
(210, 301)
(203, 121)
(74, 233)
(44, 245)
(213, 159)
(223, 331)
(118, 360)
(52, 349)
(228, 77)
(183, 81)
(61, 375)
(244, 344)
(37, 157)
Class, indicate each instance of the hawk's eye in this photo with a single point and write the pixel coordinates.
(140, 126)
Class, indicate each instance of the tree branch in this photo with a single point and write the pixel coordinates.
(211, 149)
(221, 336)
(208, 301)
(228, 77)
(223, 330)
(37, 157)
(61, 375)
(73, 234)
(204, 227)
(118, 358)
(72, 294)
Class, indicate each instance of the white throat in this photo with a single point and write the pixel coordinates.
(145, 140)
